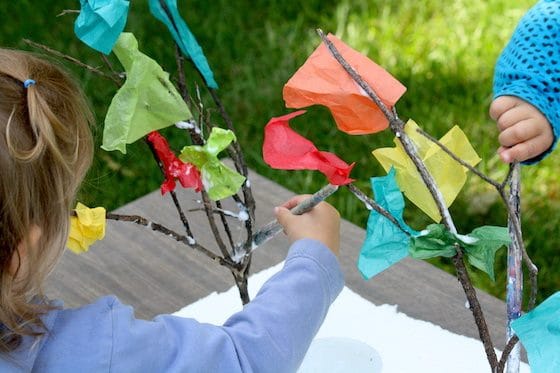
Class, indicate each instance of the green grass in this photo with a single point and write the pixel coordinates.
(443, 54)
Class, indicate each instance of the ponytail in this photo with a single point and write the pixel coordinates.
(45, 151)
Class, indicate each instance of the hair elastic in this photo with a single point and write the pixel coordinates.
(28, 82)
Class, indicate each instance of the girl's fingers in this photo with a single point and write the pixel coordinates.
(294, 201)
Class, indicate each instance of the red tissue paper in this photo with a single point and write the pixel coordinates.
(285, 149)
(187, 174)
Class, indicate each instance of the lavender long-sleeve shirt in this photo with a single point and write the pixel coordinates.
(271, 334)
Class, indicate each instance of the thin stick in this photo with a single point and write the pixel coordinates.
(371, 204)
(514, 290)
(241, 270)
(508, 177)
(198, 140)
(505, 354)
(180, 61)
(73, 60)
(187, 240)
(237, 155)
(514, 221)
(212, 222)
(515, 231)
(225, 223)
(67, 11)
(475, 307)
(110, 66)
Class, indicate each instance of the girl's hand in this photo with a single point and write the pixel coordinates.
(322, 223)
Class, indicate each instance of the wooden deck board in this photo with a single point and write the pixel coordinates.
(155, 274)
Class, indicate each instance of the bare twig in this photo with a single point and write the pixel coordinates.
(236, 154)
(475, 308)
(75, 61)
(68, 11)
(514, 220)
(241, 271)
(457, 159)
(213, 227)
(225, 223)
(514, 293)
(199, 141)
(515, 230)
(508, 177)
(371, 204)
(108, 63)
(187, 240)
(512, 206)
(505, 354)
(182, 83)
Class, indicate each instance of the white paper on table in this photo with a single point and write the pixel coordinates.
(404, 344)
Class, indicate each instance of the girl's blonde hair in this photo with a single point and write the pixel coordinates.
(45, 151)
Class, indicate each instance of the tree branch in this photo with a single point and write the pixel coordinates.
(187, 240)
(505, 354)
(371, 204)
(397, 126)
(475, 308)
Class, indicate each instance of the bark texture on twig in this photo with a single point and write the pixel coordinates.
(75, 61)
(187, 240)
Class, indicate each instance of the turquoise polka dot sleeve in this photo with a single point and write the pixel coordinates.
(529, 66)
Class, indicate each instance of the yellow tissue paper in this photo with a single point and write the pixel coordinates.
(449, 175)
(86, 228)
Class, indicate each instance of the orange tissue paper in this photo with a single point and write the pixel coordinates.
(322, 80)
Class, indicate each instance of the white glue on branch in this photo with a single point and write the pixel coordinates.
(188, 125)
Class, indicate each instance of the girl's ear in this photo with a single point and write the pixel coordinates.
(19, 257)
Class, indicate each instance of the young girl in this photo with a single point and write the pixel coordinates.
(526, 102)
(45, 151)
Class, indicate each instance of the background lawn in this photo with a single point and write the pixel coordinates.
(443, 54)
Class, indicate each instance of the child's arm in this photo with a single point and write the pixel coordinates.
(527, 86)
(271, 334)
